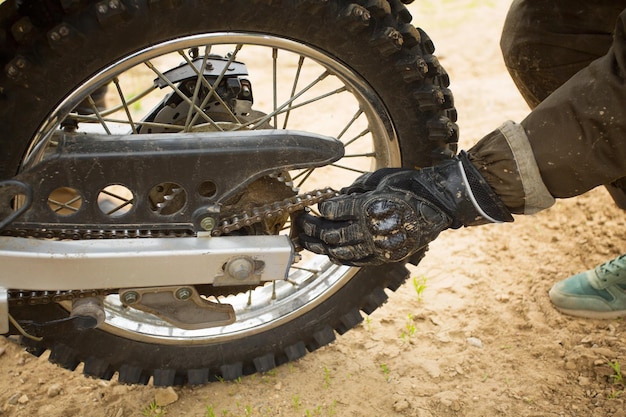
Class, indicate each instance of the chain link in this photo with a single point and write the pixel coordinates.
(271, 210)
(227, 225)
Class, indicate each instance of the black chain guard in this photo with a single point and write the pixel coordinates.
(204, 170)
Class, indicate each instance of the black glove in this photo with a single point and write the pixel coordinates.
(387, 215)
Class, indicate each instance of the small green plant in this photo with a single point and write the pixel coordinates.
(154, 410)
(617, 377)
(295, 402)
(386, 371)
(209, 411)
(327, 377)
(420, 285)
(368, 323)
(614, 394)
(409, 328)
(332, 409)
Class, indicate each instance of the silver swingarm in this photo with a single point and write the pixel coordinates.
(47, 265)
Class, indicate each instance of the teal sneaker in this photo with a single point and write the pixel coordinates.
(599, 293)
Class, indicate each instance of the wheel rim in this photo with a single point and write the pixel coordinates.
(365, 128)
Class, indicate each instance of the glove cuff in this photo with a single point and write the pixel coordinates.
(487, 206)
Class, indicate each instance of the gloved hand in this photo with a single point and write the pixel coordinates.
(387, 215)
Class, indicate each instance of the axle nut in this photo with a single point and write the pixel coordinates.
(240, 268)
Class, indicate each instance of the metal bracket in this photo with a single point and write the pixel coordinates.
(181, 306)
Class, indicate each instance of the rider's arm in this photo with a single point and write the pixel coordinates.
(573, 141)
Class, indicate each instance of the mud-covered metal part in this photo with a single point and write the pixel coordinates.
(192, 163)
(89, 307)
(15, 198)
(180, 306)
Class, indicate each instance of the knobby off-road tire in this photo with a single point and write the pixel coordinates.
(48, 49)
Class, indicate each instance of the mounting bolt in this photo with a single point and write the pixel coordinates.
(208, 223)
(130, 297)
(183, 294)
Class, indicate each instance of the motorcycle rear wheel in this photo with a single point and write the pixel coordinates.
(398, 112)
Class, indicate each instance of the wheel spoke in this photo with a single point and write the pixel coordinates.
(64, 205)
(311, 270)
(350, 123)
(119, 207)
(275, 84)
(360, 155)
(360, 171)
(95, 110)
(125, 201)
(129, 102)
(199, 81)
(359, 136)
(301, 173)
(293, 89)
(311, 101)
(308, 174)
(116, 81)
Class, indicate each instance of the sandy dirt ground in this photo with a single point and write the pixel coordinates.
(481, 339)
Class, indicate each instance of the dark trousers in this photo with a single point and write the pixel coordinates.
(545, 42)
(568, 59)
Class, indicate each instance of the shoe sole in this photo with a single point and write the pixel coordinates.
(595, 315)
